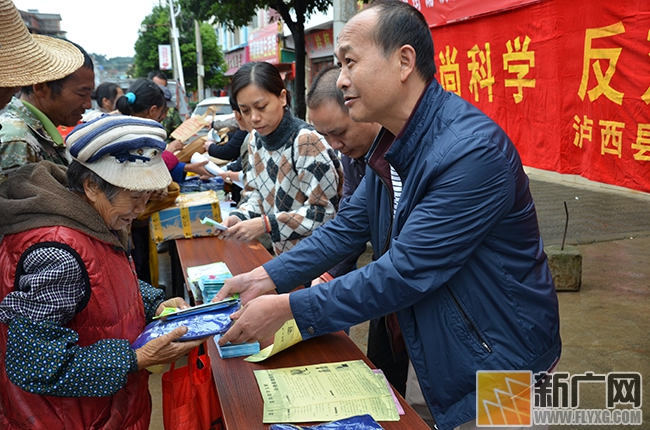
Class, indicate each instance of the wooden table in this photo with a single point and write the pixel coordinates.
(239, 395)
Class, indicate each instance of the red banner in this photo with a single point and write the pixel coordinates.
(568, 81)
(440, 12)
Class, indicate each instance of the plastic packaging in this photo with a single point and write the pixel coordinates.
(210, 167)
(199, 325)
(196, 184)
(359, 422)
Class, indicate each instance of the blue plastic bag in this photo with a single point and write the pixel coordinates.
(359, 422)
(198, 325)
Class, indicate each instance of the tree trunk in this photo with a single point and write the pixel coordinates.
(299, 40)
(298, 32)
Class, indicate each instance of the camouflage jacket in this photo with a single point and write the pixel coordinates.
(23, 140)
(171, 122)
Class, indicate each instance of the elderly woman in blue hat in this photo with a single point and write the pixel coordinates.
(71, 304)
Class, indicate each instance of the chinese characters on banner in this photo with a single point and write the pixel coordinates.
(235, 60)
(263, 44)
(568, 81)
(320, 43)
(164, 57)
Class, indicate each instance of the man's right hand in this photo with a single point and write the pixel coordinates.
(248, 285)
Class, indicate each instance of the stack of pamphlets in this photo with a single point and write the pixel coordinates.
(231, 350)
(195, 273)
(325, 392)
(211, 284)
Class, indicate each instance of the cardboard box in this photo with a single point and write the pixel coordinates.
(183, 219)
(185, 154)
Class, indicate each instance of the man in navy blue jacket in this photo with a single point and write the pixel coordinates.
(446, 204)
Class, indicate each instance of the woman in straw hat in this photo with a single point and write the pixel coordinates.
(27, 59)
(71, 304)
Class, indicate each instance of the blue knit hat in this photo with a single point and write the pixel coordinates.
(125, 151)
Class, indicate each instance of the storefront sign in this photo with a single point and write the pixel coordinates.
(568, 81)
(263, 44)
(320, 43)
(235, 60)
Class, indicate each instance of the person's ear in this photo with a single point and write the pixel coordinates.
(152, 114)
(407, 57)
(283, 98)
(41, 90)
(91, 190)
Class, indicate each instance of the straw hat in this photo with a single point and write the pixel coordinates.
(26, 59)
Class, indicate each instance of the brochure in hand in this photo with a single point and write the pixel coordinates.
(202, 321)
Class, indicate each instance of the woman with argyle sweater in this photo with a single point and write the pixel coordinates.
(295, 178)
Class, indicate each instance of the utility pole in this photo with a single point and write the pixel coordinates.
(343, 11)
(200, 71)
(178, 64)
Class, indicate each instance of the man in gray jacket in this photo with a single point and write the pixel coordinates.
(446, 204)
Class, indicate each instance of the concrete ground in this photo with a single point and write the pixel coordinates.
(605, 325)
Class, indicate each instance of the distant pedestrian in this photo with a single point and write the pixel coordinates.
(172, 119)
(105, 96)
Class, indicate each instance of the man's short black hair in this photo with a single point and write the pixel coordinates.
(57, 85)
(157, 74)
(400, 24)
(323, 88)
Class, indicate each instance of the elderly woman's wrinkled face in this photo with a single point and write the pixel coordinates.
(122, 210)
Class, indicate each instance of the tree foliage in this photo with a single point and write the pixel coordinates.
(157, 32)
(238, 13)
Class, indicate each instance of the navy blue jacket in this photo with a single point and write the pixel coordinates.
(462, 263)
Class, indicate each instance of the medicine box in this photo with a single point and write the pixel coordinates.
(230, 350)
(183, 219)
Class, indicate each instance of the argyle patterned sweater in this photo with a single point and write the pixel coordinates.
(295, 179)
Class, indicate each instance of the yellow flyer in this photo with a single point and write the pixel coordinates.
(287, 336)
